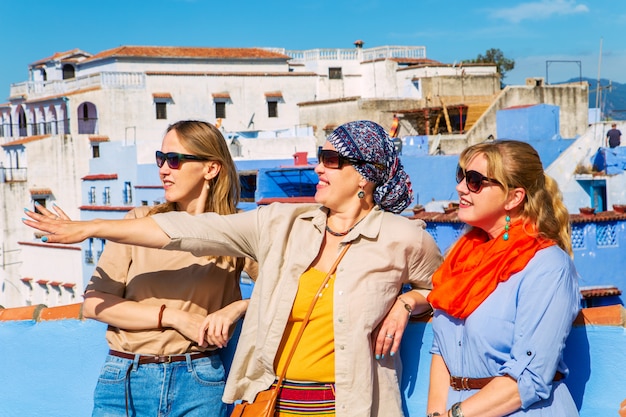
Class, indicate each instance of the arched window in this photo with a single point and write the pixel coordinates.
(21, 122)
(68, 72)
(87, 119)
(51, 122)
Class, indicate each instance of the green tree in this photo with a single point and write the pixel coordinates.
(494, 56)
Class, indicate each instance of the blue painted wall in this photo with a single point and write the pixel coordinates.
(50, 368)
(538, 122)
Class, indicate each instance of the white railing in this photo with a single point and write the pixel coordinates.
(394, 52)
(353, 54)
(35, 89)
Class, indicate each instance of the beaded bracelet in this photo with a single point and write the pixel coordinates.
(160, 324)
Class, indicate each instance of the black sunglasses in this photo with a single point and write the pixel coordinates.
(473, 179)
(174, 159)
(332, 159)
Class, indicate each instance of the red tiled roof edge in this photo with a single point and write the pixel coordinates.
(41, 312)
(614, 315)
(25, 139)
(187, 53)
(99, 177)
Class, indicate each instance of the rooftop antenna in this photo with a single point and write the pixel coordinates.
(595, 124)
(598, 89)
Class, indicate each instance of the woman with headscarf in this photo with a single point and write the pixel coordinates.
(345, 361)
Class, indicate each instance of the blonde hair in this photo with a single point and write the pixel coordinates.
(517, 164)
(205, 140)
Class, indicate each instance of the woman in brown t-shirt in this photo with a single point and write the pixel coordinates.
(154, 301)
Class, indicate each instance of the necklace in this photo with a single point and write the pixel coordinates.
(332, 232)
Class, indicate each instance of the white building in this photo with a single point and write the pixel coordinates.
(53, 126)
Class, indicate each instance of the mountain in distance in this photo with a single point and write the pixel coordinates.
(612, 97)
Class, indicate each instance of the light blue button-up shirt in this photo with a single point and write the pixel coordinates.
(520, 331)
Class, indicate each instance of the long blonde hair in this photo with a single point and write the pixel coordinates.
(205, 140)
(517, 164)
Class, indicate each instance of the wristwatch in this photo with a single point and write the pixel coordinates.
(435, 414)
(455, 410)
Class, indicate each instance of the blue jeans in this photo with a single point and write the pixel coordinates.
(191, 388)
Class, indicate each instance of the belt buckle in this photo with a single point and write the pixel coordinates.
(163, 358)
(465, 383)
(459, 383)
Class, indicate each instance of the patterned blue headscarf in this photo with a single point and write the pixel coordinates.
(367, 141)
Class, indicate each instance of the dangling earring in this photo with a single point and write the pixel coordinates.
(507, 226)
(361, 193)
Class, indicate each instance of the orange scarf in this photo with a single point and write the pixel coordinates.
(476, 265)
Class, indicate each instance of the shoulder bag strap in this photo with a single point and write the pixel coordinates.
(308, 314)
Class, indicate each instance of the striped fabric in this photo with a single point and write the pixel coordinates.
(306, 399)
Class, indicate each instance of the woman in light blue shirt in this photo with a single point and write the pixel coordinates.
(507, 293)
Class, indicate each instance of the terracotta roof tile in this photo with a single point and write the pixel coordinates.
(64, 312)
(98, 138)
(162, 95)
(59, 56)
(608, 316)
(221, 95)
(99, 177)
(599, 292)
(40, 191)
(273, 94)
(186, 52)
(24, 140)
(21, 313)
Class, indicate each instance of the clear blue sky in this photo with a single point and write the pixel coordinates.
(529, 32)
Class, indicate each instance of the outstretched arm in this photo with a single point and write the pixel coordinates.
(59, 229)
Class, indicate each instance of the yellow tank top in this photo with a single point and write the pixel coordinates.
(314, 358)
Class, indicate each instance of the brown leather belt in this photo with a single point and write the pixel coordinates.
(143, 359)
(460, 383)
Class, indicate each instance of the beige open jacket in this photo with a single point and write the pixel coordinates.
(388, 251)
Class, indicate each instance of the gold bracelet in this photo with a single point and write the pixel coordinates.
(407, 306)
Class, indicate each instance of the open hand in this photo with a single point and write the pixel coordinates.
(58, 226)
